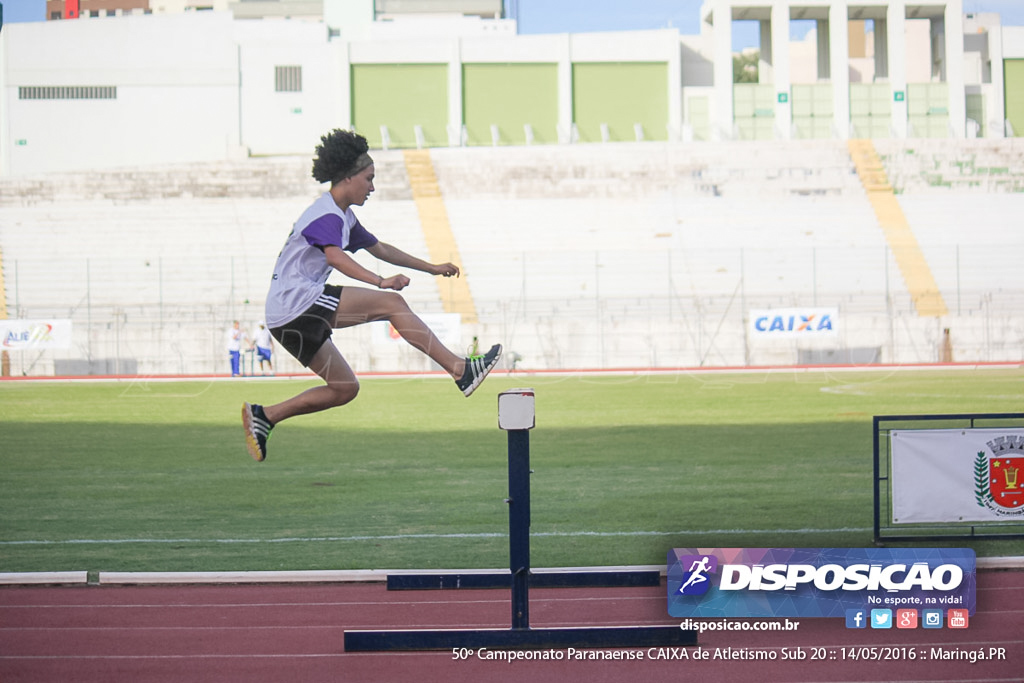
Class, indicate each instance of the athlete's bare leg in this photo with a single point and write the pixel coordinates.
(341, 386)
(357, 306)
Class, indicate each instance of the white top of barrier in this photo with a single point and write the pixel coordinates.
(516, 409)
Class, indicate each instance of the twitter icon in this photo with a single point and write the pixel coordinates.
(881, 618)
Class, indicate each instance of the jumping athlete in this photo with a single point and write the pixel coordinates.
(302, 309)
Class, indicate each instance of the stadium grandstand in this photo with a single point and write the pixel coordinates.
(851, 197)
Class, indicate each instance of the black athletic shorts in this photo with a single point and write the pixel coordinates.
(304, 336)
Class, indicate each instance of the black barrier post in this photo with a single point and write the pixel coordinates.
(519, 525)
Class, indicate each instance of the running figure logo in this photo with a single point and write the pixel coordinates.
(695, 580)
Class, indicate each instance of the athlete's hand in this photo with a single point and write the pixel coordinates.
(395, 282)
(446, 269)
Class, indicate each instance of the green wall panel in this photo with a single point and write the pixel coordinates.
(813, 110)
(1013, 82)
(699, 117)
(928, 110)
(754, 110)
(976, 111)
(620, 95)
(871, 110)
(401, 96)
(510, 96)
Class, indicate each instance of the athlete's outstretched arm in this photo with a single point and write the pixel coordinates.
(348, 266)
(395, 256)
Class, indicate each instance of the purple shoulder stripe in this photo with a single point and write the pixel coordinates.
(360, 238)
(324, 231)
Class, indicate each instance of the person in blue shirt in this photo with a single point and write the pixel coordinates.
(263, 344)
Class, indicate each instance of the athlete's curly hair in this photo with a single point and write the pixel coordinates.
(337, 154)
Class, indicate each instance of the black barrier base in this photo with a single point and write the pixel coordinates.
(456, 581)
(520, 639)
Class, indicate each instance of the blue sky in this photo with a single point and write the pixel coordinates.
(574, 16)
(23, 10)
(578, 16)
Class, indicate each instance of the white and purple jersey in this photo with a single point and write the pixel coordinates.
(302, 269)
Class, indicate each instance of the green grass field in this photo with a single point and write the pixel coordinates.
(153, 476)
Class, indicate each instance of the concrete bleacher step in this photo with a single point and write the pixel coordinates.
(642, 170)
(269, 177)
(981, 165)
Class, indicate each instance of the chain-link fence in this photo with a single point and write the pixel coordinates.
(564, 310)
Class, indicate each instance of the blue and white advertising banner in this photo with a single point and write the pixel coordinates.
(21, 335)
(793, 323)
(957, 475)
(817, 582)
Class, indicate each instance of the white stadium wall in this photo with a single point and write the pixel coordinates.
(200, 86)
(176, 80)
(289, 121)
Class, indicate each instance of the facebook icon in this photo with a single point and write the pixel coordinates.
(856, 618)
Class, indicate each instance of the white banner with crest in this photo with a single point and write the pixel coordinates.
(957, 475)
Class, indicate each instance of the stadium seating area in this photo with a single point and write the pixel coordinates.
(617, 255)
(974, 165)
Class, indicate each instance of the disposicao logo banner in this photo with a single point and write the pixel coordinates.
(817, 582)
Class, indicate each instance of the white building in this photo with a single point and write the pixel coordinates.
(203, 86)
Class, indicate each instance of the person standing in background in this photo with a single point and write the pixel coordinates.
(264, 347)
(234, 347)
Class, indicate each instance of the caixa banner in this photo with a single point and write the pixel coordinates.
(817, 582)
(790, 323)
(21, 335)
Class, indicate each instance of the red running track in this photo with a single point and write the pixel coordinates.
(295, 633)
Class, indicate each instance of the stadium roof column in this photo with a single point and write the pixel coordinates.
(839, 59)
(953, 66)
(896, 56)
(721, 18)
(996, 124)
(781, 70)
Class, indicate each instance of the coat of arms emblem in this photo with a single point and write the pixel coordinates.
(998, 485)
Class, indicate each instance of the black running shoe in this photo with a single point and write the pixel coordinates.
(257, 430)
(477, 367)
